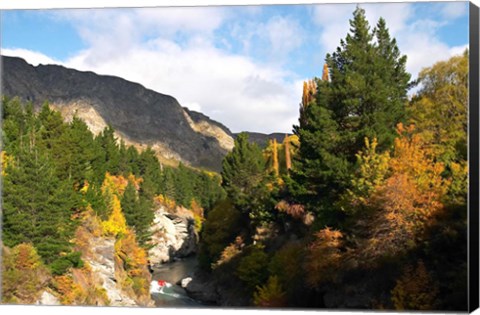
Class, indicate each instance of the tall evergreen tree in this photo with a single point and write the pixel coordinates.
(243, 169)
(364, 96)
(37, 206)
(367, 92)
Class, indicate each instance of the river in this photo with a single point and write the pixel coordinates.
(173, 272)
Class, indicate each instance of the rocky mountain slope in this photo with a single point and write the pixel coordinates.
(140, 116)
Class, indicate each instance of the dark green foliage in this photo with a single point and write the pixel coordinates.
(76, 153)
(243, 169)
(52, 161)
(138, 212)
(184, 184)
(219, 230)
(246, 181)
(107, 154)
(365, 97)
(252, 269)
(62, 264)
(37, 206)
(367, 92)
(321, 169)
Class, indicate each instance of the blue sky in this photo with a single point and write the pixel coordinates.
(243, 66)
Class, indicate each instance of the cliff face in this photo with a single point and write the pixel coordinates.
(173, 235)
(140, 116)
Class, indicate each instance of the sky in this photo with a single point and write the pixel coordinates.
(243, 66)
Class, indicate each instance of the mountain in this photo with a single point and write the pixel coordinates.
(140, 116)
(262, 139)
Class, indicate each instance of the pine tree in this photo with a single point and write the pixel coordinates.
(243, 169)
(37, 206)
(77, 153)
(368, 87)
(364, 97)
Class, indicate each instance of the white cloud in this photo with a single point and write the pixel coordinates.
(231, 89)
(454, 10)
(33, 57)
(176, 51)
(417, 38)
(237, 91)
(278, 37)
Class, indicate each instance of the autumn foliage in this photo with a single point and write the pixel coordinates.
(415, 289)
(271, 294)
(324, 257)
(24, 276)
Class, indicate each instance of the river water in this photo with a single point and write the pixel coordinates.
(173, 272)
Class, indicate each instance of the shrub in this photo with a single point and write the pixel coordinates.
(252, 269)
(270, 294)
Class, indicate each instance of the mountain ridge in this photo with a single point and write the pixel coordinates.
(141, 117)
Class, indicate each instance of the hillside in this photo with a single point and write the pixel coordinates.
(140, 116)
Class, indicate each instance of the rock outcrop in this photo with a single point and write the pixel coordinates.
(48, 298)
(102, 263)
(173, 235)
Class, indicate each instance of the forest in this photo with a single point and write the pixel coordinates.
(364, 206)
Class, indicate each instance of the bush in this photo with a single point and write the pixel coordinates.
(62, 264)
(271, 294)
(219, 230)
(252, 269)
(24, 276)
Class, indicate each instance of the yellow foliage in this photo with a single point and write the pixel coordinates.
(270, 294)
(117, 184)
(69, 291)
(6, 161)
(85, 187)
(197, 214)
(116, 223)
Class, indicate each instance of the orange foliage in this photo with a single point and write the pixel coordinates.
(168, 203)
(325, 74)
(133, 260)
(23, 274)
(230, 252)
(135, 181)
(324, 257)
(69, 291)
(296, 211)
(134, 257)
(409, 199)
(309, 91)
